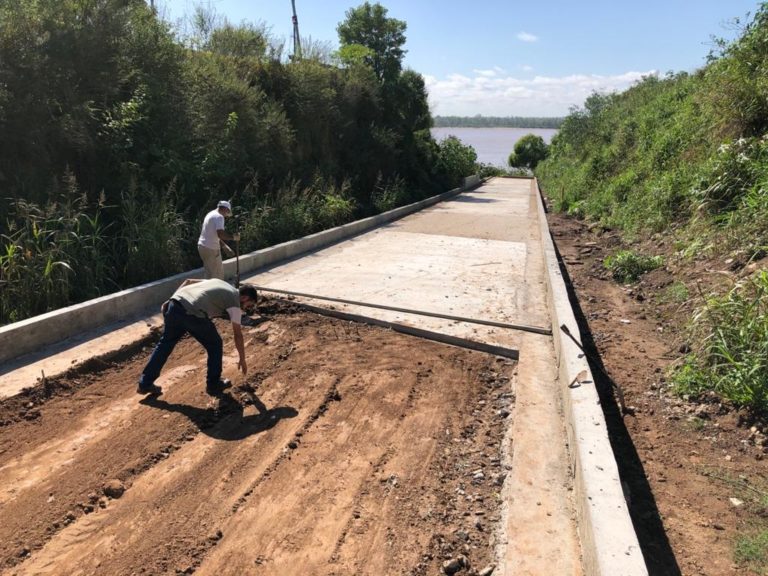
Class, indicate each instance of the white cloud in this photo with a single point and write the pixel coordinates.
(486, 73)
(526, 68)
(503, 95)
(526, 37)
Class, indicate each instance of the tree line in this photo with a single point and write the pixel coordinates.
(119, 132)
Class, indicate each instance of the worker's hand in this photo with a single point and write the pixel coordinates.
(164, 307)
(236, 236)
(242, 365)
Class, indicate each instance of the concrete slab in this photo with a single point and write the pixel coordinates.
(464, 257)
(477, 255)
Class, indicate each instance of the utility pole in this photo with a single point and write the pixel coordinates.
(296, 39)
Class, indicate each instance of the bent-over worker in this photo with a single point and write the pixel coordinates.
(190, 310)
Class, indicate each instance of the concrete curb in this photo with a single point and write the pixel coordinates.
(608, 539)
(34, 333)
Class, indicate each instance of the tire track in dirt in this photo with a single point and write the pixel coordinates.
(392, 506)
(308, 464)
(52, 467)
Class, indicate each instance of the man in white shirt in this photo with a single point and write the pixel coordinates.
(212, 238)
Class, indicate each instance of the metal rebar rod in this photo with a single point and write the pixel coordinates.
(521, 327)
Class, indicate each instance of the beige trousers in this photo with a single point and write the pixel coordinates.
(211, 262)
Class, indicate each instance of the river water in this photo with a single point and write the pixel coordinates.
(493, 145)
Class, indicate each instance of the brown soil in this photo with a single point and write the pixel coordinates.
(682, 459)
(347, 450)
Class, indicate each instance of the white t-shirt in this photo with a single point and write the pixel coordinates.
(209, 237)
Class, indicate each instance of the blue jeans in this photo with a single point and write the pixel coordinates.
(178, 323)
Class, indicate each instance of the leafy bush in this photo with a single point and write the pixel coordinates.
(627, 266)
(528, 152)
(455, 160)
(730, 354)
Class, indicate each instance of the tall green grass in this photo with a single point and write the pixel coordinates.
(67, 251)
(51, 256)
(154, 238)
(729, 336)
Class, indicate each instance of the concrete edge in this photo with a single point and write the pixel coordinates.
(30, 335)
(609, 543)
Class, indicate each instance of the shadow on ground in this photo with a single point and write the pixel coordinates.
(227, 421)
(657, 551)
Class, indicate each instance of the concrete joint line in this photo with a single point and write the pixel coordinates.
(418, 332)
(534, 329)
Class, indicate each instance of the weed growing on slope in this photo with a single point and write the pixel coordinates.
(730, 350)
(627, 266)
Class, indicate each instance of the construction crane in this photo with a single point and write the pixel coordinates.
(296, 40)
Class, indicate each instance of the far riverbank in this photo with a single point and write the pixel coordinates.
(493, 145)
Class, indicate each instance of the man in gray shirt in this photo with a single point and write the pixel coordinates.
(190, 311)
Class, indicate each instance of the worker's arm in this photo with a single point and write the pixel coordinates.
(223, 236)
(240, 345)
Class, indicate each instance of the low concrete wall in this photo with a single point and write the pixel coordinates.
(32, 334)
(609, 543)
(471, 181)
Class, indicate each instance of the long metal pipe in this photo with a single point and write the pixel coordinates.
(521, 327)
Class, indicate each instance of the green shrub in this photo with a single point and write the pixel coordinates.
(730, 354)
(627, 266)
(528, 152)
(455, 160)
(675, 293)
(751, 550)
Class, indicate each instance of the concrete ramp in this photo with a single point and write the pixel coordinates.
(467, 257)
(482, 255)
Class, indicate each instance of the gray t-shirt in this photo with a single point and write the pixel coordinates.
(209, 298)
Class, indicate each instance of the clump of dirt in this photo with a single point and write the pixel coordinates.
(270, 306)
(684, 461)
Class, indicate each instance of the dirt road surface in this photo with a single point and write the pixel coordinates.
(347, 450)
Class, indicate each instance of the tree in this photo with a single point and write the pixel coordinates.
(455, 160)
(368, 26)
(528, 152)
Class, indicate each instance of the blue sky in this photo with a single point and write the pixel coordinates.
(514, 57)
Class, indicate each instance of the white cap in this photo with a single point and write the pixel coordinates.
(224, 204)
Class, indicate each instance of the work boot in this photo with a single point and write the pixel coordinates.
(151, 389)
(219, 387)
